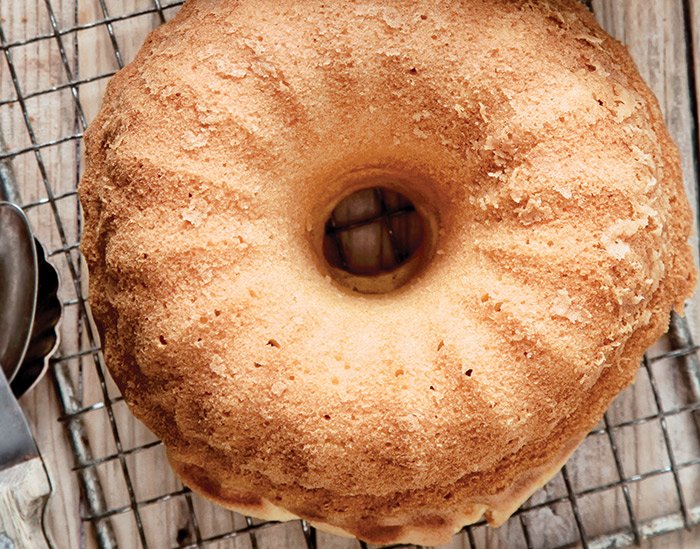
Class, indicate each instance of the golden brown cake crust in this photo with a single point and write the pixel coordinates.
(562, 248)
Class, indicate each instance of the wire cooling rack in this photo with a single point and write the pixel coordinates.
(644, 493)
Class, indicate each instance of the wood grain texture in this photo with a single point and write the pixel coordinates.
(654, 30)
(23, 491)
(51, 116)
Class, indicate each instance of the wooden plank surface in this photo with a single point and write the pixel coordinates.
(655, 32)
(39, 67)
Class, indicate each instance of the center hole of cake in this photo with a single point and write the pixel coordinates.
(373, 232)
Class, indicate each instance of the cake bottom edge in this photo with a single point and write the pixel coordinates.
(495, 509)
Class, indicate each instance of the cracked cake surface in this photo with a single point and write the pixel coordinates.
(560, 248)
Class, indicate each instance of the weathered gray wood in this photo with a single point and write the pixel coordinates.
(23, 491)
(39, 67)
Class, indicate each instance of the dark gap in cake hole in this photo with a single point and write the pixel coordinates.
(373, 231)
(162, 340)
(183, 535)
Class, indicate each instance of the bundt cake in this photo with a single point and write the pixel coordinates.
(401, 405)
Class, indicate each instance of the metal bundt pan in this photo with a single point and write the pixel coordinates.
(45, 333)
(44, 339)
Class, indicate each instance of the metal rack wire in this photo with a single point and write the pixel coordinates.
(564, 492)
